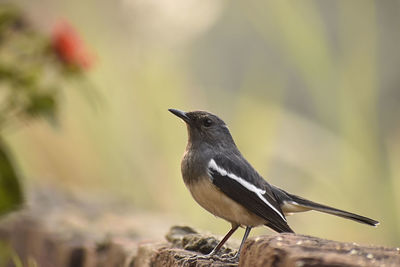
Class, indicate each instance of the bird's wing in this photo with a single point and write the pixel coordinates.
(237, 179)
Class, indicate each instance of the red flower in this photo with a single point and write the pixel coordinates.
(70, 48)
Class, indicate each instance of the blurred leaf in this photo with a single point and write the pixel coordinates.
(8, 16)
(43, 105)
(10, 188)
(8, 255)
(4, 253)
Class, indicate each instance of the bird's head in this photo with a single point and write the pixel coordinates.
(205, 128)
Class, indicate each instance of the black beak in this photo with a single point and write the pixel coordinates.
(180, 114)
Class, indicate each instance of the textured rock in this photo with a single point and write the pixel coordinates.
(59, 231)
(33, 241)
(36, 244)
(187, 238)
(147, 253)
(286, 250)
(186, 243)
(179, 257)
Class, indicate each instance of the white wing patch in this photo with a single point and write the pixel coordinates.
(258, 191)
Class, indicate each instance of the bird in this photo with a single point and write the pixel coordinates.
(224, 183)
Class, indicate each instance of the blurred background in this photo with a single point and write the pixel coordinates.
(309, 89)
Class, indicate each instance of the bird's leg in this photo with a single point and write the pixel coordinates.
(246, 234)
(222, 242)
(218, 247)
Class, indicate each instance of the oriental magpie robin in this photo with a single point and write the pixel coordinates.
(223, 182)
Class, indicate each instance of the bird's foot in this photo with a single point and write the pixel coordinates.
(230, 257)
(195, 258)
(227, 258)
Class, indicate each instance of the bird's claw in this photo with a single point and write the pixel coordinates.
(195, 258)
(228, 258)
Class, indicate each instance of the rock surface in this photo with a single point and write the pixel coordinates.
(34, 243)
(66, 235)
(286, 250)
(280, 250)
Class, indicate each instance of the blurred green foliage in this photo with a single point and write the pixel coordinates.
(10, 188)
(31, 71)
(23, 65)
(8, 256)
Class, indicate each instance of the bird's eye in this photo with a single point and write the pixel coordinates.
(207, 123)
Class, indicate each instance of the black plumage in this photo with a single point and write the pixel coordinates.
(247, 198)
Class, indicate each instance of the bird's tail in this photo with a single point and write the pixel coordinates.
(307, 204)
